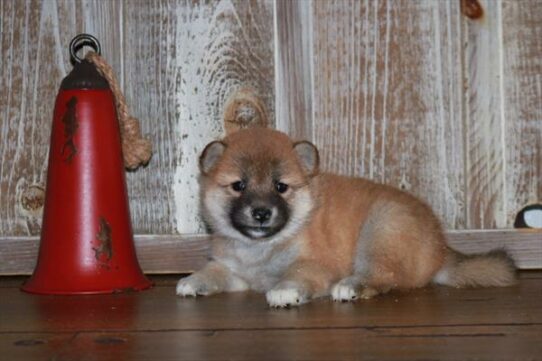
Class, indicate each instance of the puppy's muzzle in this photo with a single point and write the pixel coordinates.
(259, 216)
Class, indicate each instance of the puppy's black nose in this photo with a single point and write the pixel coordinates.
(261, 214)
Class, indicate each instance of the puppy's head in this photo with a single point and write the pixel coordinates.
(256, 185)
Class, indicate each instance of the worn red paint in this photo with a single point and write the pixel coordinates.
(105, 248)
(472, 9)
(69, 119)
(86, 241)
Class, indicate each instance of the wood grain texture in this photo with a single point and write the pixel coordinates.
(236, 53)
(149, 77)
(178, 62)
(156, 254)
(388, 96)
(182, 62)
(410, 93)
(185, 253)
(33, 346)
(294, 61)
(434, 323)
(484, 147)
(34, 37)
(522, 87)
(490, 343)
(159, 309)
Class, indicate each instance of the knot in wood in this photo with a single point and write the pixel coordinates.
(244, 109)
(472, 9)
(33, 198)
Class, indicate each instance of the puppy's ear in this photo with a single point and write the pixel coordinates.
(210, 155)
(308, 156)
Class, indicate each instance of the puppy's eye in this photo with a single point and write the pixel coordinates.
(281, 187)
(238, 186)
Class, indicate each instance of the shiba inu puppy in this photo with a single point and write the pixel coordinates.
(282, 227)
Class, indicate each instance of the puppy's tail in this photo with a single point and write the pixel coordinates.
(493, 269)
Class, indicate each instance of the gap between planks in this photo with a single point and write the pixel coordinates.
(496, 343)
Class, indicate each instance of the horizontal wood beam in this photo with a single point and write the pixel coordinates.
(186, 253)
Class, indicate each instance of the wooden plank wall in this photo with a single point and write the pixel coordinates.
(522, 87)
(178, 61)
(483, 118)
(411, 93)
(294, 68)
(387, 94)
(420, 96)
(183, 60)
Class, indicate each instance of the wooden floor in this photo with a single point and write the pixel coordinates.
(429, 324)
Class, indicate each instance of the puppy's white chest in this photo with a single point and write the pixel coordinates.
(260, 265)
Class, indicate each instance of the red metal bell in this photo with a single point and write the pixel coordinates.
(86, 239)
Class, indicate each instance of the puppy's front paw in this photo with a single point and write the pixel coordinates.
(286, 294)
(193, 286)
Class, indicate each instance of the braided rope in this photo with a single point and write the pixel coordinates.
(135, 149)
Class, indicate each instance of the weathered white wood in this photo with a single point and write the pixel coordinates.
(410, 93)
(186, 253)
(484, 145)
(522, 103)
(178, 62)
(293, 63)
(231, 47)
(34, 36)
(150, 76)
(183, 60)
(388, 96)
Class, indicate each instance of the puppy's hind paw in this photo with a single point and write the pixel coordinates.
(286, 295)
(344, 293)
(369, 293)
